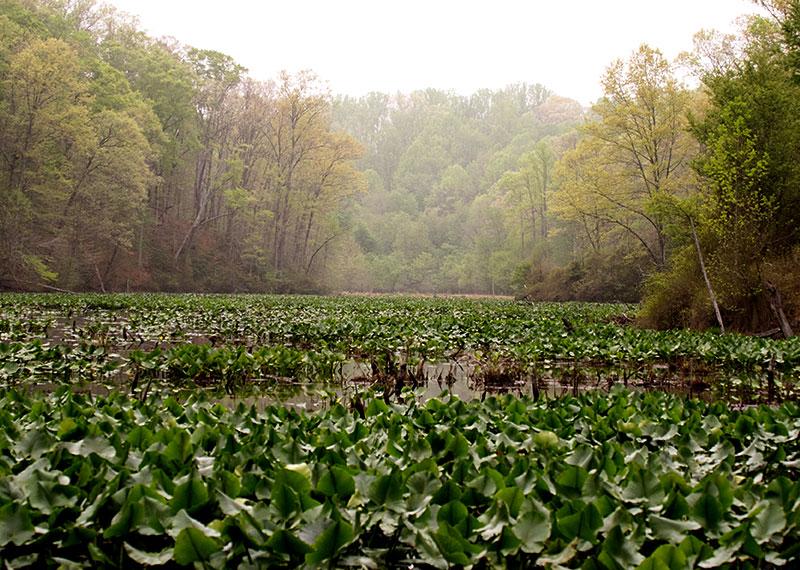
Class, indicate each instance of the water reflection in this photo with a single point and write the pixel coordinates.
(468, 380)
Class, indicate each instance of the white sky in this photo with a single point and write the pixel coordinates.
(358, 46)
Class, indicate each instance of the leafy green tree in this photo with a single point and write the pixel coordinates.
(529, 187)
(750, 173)
(446, 162)
(634, 155)
(44, 124)
(128, 161)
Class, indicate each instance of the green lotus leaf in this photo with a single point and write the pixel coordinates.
(643, 486)
(285, 542)
(284, 499)
(387, 488)
(336, 535)
(583, 524)
(454, 547)
(15, 525)
(708, 511)
(182, 521)
(670, 530)
(90, 445)
(455, 514)
(513, 497)
(769, 521)
(571, 480)
(721, 556)
(149, 558)
(192, 545)
(665, 557)
(533, 529)
(336, 482)
(297, 476)
(621, 550)
(191, 495)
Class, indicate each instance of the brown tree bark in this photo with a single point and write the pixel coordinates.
(776, 304)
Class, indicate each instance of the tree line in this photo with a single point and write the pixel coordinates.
(458, 186)
(699, 188)
(686, 198)
(134, 163)
(131, 163)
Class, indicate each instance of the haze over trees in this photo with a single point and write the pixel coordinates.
(132, 163)
(458, 186)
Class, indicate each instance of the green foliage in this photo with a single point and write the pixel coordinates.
(461, 187)
(107, 131)
(241, 344)
(747, 206)
(137, 164)
(791, 31)
(631, 159)
(677, 297)
(689, 487)
(40, 268)
(601, 276)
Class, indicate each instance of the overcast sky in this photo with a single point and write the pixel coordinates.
(358, 46)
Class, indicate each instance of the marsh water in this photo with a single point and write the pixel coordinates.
(467, 380)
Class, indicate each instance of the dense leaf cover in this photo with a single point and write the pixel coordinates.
(613, 480)
(228, 341)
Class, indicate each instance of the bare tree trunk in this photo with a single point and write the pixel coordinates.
(308, 233)
(776, 304)
(195, 225)
(316, 251)
(711, 294)
(110, 263)
(99, 278)
(543, 207)
(140, 256)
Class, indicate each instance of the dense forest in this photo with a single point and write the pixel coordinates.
(458, 186)
(132, 163)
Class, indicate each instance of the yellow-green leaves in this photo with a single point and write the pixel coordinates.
(546, 440)
(636, 152)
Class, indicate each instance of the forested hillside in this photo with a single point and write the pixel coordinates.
(134, 163)
(458, 186)
(687, 197)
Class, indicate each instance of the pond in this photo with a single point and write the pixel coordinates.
(468, 380)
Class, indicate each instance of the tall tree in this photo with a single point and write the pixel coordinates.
(635, 153)
(44, 124)
(750, 173)
(529, 189)
(128, 161)
(217, 76)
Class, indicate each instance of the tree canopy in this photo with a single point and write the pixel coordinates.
(134, 163)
